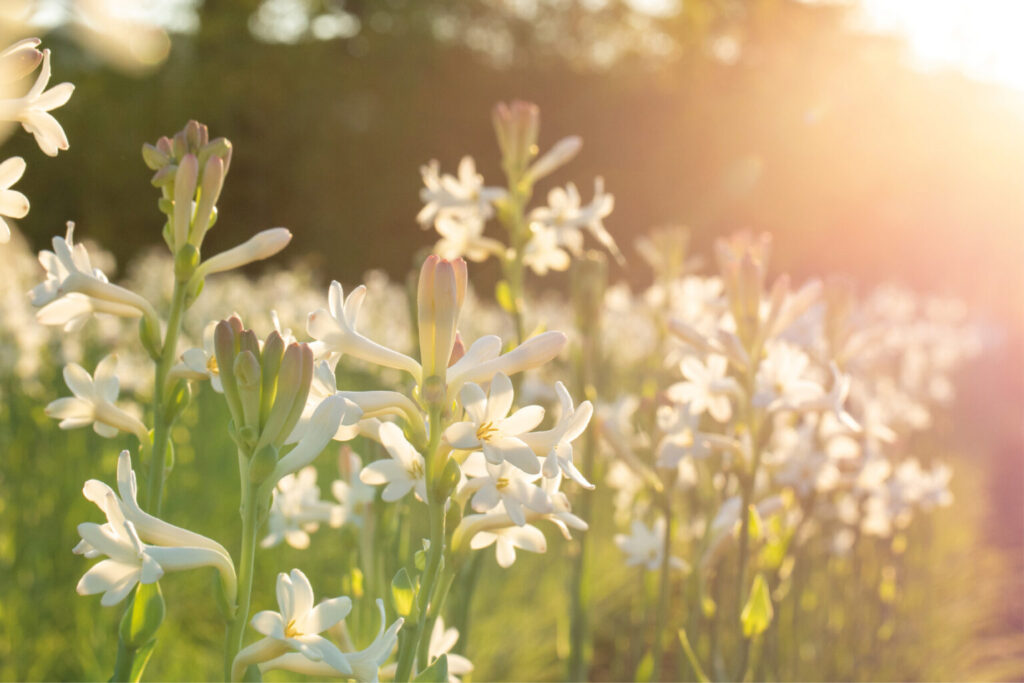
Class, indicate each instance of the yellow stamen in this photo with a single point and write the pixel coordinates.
(486, 431)
(290, 631)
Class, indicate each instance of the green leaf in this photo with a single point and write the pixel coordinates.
(142, 620)
(436, 672)
(503, 295)
(758, 612)
(402, 593)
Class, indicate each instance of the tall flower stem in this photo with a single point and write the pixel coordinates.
(435, 555)
(250, 510)
(664, 588)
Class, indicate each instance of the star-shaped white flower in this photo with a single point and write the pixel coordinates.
(404, 472)
(708, 387)
(33, 109)
(555, 444)
(503, 484)
(646, 546)
(492, 429)
(446, 194)
(506, 540)
(94, 402)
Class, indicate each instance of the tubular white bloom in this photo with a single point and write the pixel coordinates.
(481, 530)
(363, 666)
(482, 362)
(492, 429)
(646, 546)
(297, 510)
(260, 246)
(93, 402)
(682, 439)
(130, 561)
(465, 195)
(834, 401)
(68, 269)
(555, 444)
(13, 204)
(149, 528)
(405, 470)
(322, 426)
(559, 155)
(708, 387)
(32, 110)
(74, 310)
(297, 627)
(323, 386)
(505, 485)
(19, 60)
(781, 379)
(335, 330)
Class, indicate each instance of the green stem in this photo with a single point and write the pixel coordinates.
(125, 660)
(161, 425)
(664, 590)
(250, 513)
(435, 555)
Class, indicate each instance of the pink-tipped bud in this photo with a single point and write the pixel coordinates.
(441, 291)
(517, 126)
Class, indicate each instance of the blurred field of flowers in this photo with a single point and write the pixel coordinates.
(619, 452)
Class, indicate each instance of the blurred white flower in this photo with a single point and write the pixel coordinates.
(464, 196)
(544, 251)
(463, 236)
(13, 204)
(507, 539)
(492, 429)
(566, 214)
(708, 387)
(646, 546)
(297, 511)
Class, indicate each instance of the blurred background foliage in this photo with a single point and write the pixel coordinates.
(779, 115)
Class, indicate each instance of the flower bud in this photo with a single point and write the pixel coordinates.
(19, 60)
(184, 190)
(260, 246)
(517, 126)
(209, 193)
(154, 159)
(441, 291)
(270, 362)
(225, 344)
(185, 262)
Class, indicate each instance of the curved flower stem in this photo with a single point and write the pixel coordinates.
(664, 589)
(250, 512)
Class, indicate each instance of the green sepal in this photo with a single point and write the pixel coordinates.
(263, 462)
(180, 396)
(436, 672)
(143, 618)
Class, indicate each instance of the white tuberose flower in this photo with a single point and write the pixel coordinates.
(33, 109)
(646, 546)
(465, 195)
(362, 666)
(13, 204)
(555, 445)
(402, 473)
(93, 402)
(491, 428)
(707, 388)
(296, 627)
(129, 560)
